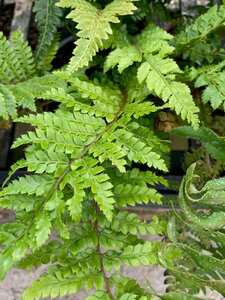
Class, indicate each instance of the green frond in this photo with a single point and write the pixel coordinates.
(204, 25)
(127, 194)
(104, 97)
(127, 287)
(29, 184)
(74, 124)
(45, 64)
(20, 202)
(148, 137)
(83, 237)
(212, 78)
(213, 143)
(23, 97)
(111, 240)
(25, 93)
(50, 252)
(42, 162)
(94, 27)
(52, 140)
(214, 220)
(104, 150)
(98, 295)
(47, 17)
(157, 71)
(43, 226)
(75, 101)
(138, 151)
(124, 57)
(16, 58)
(138, 110)
(75, 203)
(127, 222)
(10, 65)
(99, 182)
(23, 54)
(159, 75)
(178, 296)
(132, 255)
(135, 176)
(7, 103)
(151, 40)
(62, 283)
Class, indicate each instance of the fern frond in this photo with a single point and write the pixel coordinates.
(137, 151)
(213, 143)
(51, 252)
(152, 39)
(62, 283)
(59, 94)
(7, 102)
(16, 60)
(159, 76)
(47, 16)
(98, 181)
(157, 71)
(19, 202)
(124, 57)
(25, 93)
(42, 162)
(129, 223)
(132, 255)
(132, 194)
(203, 25)
(106, 150)
(212, 78)
(24, 54)
(103, 97)
(94, 27)
(148, 137)
(111, 240)
(30, 184)
(98, 295)
(213, 221)
(135, 176)
(82, 125)
(45, 64)
(138, 110)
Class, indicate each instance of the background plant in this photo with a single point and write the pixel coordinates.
(87, 158)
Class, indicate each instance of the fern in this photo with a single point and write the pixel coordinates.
(94, 26)
(17, 61)
(204, 25)
(47, 16)
(210, 77)
(85, 159)
(20, 86)
(206, 257)
(213, 143)
(157, 70)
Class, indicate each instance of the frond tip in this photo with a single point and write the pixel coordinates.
(94, 27)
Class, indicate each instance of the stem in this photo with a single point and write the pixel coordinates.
(101, 255)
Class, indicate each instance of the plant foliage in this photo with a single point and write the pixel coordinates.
(96, 153)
